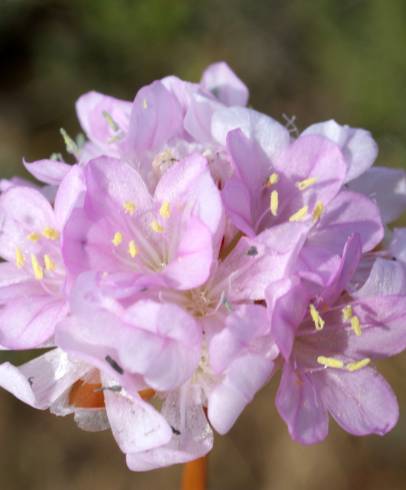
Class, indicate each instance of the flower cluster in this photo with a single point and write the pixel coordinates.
(194, 248)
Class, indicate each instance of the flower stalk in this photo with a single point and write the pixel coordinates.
(194, 475)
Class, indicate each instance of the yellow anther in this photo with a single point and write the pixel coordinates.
(132, 249)
(274, 204)
(155, 226)
(165, 210)
(347, 313)
(355, 366)
(299, 215)
(34, 236)
(129, 208)
(356, 325)
(110, 121)
(330, 362)
(51, 233)
(49, 263)
(317, 211)
(145, 104)
(20, 259)
(272, 179)
(36, 267)
(317, 319)
(306, 183)
(117, 239)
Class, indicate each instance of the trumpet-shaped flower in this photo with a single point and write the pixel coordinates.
(330, 343)
(33, 268)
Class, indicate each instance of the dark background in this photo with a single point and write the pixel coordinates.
(315, 59)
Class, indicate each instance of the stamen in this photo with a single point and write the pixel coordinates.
(156, 227)
(110, 121)
(355, 366)
(51, 233)
(317, 319)
(129, 208)
(330, 362)
(165, 211)
(117, 239)
(71, 146)
(34, 236)
(20, 259)
(132, 249)
(272, 179)
(36, 267)
(347, 313)
(145, 104)
(163, 161)
(299, 215)
(356, 325)
(274, 203)
(306, 183)
(49, 263)
(318, 211)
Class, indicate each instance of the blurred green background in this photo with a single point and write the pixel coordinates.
(315, 59)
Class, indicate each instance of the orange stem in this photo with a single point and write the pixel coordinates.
(194, 476)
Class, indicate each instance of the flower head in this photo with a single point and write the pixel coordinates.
(193, 248)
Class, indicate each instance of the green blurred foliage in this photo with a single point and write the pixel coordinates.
(316, 59)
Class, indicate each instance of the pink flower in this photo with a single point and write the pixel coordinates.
(33, 268)
(329, 342)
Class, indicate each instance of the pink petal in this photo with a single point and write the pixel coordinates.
(48, 171)
(348, 213)
(245, 376)
(70, 194)
(271, 136)
(252, 168)
(198, 117)
(179, 353)
(383, 324)
(182, 90)
(386, 277)
(361, 402)
(398, 244)
(299, 404)
(283, 318)
(348, 265)
(108, 180)
(318, 158)
(256, 263)
(43, 380)
(22, 211)
(16, 282)
(239, 205)
(387, 188)
(242, 326)
(135, 424)
(192, 436)
(191, 265)
(29, 324)
(156, 118)
(191, 183)
(91, 108)
(358, 147)
(224, 84)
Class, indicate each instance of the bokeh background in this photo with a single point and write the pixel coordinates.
(314, 59)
